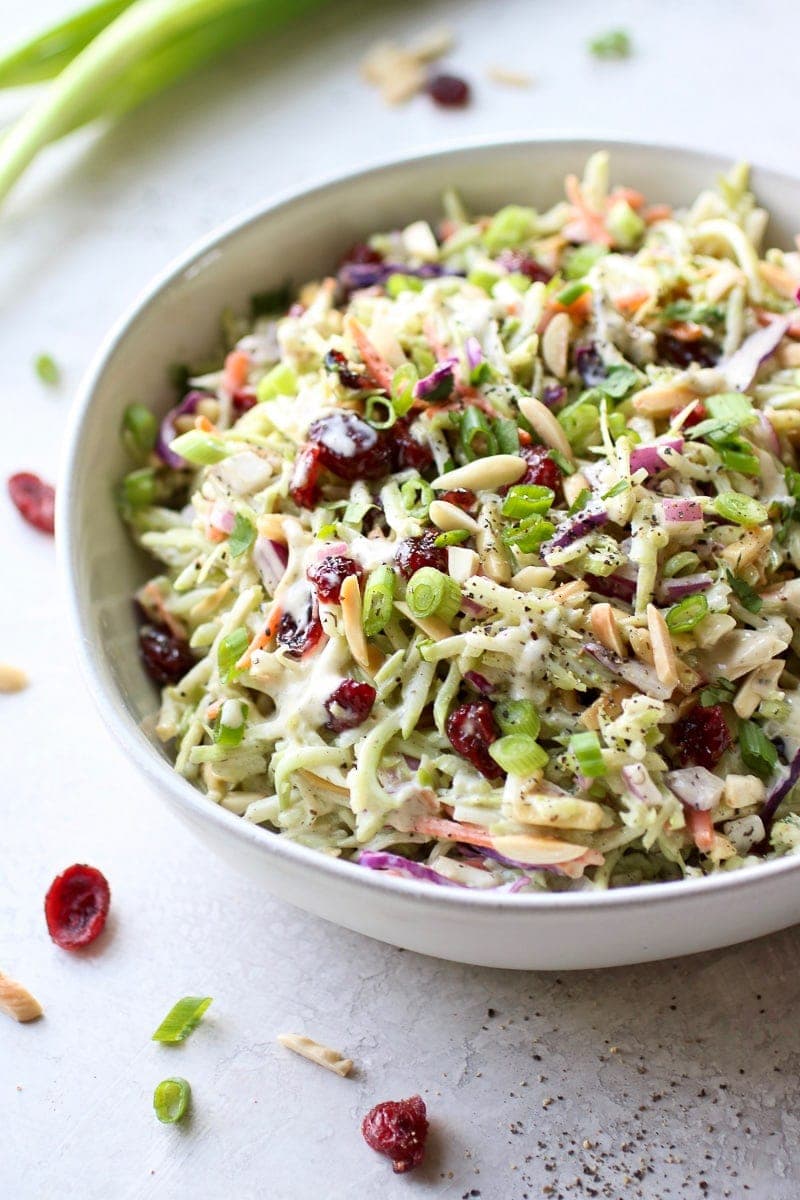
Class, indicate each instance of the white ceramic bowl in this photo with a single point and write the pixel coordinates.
(300, 237)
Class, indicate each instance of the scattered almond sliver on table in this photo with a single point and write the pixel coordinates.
(17, 1002)
(315, 1052)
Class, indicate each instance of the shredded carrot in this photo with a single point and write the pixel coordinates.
(376, 364)
(575, 869)
(204, 425)
(153, 594)
(701, 828)
(215, 535)
(236, 370)
(657, 212)
(765, 317)
(629, 195)
(631, 301)
(686, 331)
(593, 221)
(213, 710)
(525, 438)
(453, 831)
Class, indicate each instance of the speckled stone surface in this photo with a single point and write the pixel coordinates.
(667, 1081)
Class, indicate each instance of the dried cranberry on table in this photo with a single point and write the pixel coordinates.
(416, 552)
(329, 574)
(398, 1129)
(34, 500)
(541, 469)
(349, 705)
(448, 91)
(471, 729)
(165, 657)
(299, 628)
(304, 484)
(680, 353)
(76, 906)
(701, 737)
(349, 448)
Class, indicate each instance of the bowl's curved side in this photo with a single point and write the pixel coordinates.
(177, 319)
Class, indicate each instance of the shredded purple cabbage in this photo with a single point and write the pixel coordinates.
(590, 365)
(437, 381)
(780, 792)
(553, 395)
(479, 682)
(382, 860)
(575, 527)
(354, 276)
(616, 587)
(472, 348)
(740, 369)
(688, 585)
(167, 431)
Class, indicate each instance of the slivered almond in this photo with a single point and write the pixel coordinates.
(570, 591)
(603, 620)
(757, 685)
(271, 525)
(368, 657)
(209, 603)
(448, 516)
(532, 577)
(528, 848)
(748, 548)
(492, 473)
(324, 1056)
(573, 485)
(785, 421)
(660, 399)
(519, 79)
(432, 627)
(543, 809)
(555, 344)
(608, 705)
(17, 1002)
(433, 43)
(545, 424)
(640, 644)
(326, 785)
(12, 679)
(664, 659)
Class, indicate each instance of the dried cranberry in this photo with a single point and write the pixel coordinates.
(590, 365)
(462, 498)
(360, 253)
(520, 263)
(329, 574)
(541, 469)
(448, 91)
(337, 363)
(406, 451)
(349, 447)
(398, 1129)
(243, 401)
(304, 485)
(166, 658)
(349, 705)
(416, 552)
(471, 729)
(76, 906)
(299, 628)
(34, 500)
(680, 353)
(701, 737)
(698, 414)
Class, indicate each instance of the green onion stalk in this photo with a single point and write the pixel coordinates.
(114, 55)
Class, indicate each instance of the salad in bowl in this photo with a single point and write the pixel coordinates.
(478, 559)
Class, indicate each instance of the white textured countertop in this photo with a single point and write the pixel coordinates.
(669, 1080)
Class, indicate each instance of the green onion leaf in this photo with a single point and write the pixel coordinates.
(529, 534)
(376, 605)
(138, 489)
(202, 449)
(563, 464)
(571, 293)
(171, 1099)
(586, 748)
(619, 380)
(685, 560)
(139, 430)
(518, 716)
(281, 380)
(757, 751)
(231, 649)
(510, 227)
(46, 368)
(431, 593)
(747, 596)
(697, 314)
(506, 435)
(476, 434)
(614, 44)
(731, 406)
(404, 380)
(452, 537)
(181, 1019)
(525, 498)
(687, 613)
(623, 485)
(741, 509)
(398, 282)
(581, 500)
(579, 262)
(518, 754)
(417, 496)
(721, 692)
(242, 536)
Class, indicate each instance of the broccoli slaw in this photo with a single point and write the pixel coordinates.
(479, 557)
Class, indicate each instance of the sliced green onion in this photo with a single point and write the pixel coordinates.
(281, 380)
(731, 406)
(139, 488)
(529, 534)
(683, 561)
(398, 282)
(581, 500)
(432, 593)
(518, 754)
(509, 227)
(242, 535)
(721, 692)
(404, 380)
(757, 751)
(687, 613)
(181, 1019)
(741, 509)
(571, 293)
(480, 374)
(625, 225)
(476, 434)
(614, 44)
(139, 430)
(376, 605)
(230, 650)
(453, 537)
(563, 463)
(46, 368)
(326, 531)
(525, 498)
(586, 748)
(623, 485)
(737, 456)
(579, 262)
(379, 411)
(231, 731)
(518, 716)
(747, 596)
(581, 424)
(619, 380)
(171, 1099)
(417, 496)
(479, 277)
(203, 449)
(506, 434)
